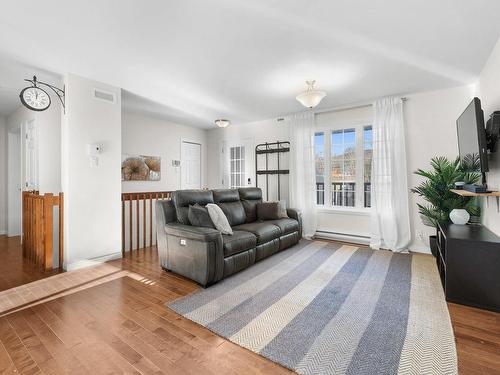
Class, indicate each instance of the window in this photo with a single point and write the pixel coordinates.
(319, 157)
(343, 167)
(343, 160)
(237, 166)
(367, 164)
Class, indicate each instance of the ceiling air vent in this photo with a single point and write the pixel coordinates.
(109, 97)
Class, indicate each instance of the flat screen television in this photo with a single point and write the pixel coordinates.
(472, 136)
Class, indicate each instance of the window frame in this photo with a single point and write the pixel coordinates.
(359, 127)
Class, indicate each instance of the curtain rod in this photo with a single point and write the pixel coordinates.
(346, 108)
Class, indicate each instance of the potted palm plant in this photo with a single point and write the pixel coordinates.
(436, 187)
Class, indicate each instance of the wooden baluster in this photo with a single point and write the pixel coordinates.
(144, 221)
(156, 206)
(24, 224)
(150, 219)
(48, 231)
(33, 227)
(31, 209)
(37, 224)
(130, 221)
(123, 227)
(137, 223)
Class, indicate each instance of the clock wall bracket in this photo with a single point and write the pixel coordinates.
(35, 98)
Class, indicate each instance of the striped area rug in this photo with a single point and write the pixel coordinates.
(326, 308)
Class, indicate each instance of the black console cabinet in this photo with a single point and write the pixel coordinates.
(468, 260)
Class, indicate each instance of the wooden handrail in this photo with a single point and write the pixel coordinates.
(38, 228)
(137, 202)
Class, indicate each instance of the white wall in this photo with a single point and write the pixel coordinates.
(143, 135)
(489, 90)
(92, 194)
(3, 176)
(431, 131)
(253, 133)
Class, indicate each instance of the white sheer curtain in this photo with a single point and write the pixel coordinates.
(389, 197)
(302, 175)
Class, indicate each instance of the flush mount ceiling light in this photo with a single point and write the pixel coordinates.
(311, 97)
(222, 123)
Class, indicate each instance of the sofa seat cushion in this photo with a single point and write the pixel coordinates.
(264, 231)
(238, 242)
(286, 226)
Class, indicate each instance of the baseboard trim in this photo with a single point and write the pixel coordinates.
(362, 240)
(91, 262)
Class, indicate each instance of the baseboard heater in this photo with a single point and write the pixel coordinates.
(347, 237)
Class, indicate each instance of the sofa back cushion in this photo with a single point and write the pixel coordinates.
(198, 216)
(184, 198)
(250, 197)
(268, 211)
(229, 201)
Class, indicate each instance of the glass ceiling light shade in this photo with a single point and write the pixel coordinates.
(311, 97)
(222, 123)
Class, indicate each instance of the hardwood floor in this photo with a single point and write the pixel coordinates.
(14, 270)
(118, 324)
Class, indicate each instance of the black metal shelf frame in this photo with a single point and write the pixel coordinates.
(266, 149)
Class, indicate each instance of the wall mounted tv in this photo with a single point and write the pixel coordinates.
(472, 136)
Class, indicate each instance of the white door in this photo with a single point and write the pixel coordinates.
(190, 165)
(31, 156)
(238, 158)
(14, 183)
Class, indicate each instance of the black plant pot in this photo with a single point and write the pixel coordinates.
(433, 244)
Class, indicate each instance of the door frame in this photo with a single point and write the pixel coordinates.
(224, 173)
(17, 131)
(196, 142)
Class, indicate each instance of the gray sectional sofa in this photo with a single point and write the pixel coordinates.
(204, 254)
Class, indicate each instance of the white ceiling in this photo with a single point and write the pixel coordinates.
(196, 60)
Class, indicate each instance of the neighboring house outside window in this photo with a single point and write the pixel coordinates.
(343, 157)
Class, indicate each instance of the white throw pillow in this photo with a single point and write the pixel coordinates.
(282, 209)
(219, 219)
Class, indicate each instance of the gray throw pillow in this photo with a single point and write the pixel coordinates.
(219, 219)
(198, 216)
(282, 209)
(267, 211)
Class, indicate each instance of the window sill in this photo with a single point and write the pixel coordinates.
(344, 210)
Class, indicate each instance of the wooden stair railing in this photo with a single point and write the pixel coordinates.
(138, 219)
(38, 228)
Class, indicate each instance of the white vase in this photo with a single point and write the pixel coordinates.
(459, 216)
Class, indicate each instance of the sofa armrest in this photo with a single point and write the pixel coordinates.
(192, 232)
(194, 252)
(164, 213)
(297, 215)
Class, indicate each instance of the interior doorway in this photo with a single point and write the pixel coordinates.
(237, 159)
(190, 165)
(14, 182)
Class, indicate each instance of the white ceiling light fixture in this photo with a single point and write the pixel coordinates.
(311, 97)
(222, 123)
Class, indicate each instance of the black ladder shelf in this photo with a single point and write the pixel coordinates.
(266, 149)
